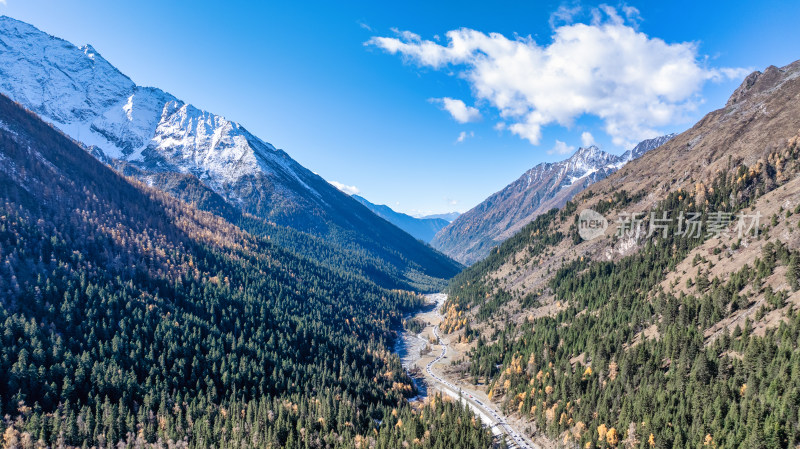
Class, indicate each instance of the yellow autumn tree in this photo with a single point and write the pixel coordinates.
(601, 432)
(612, 437)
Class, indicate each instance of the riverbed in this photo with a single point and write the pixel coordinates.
(409, 346)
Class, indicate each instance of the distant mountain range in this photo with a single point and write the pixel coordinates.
(473, 234)
(422, 228)
(449, 217)
(198, 156)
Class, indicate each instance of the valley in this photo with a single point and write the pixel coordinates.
(127, 308)
(171, 280)
(440, 351)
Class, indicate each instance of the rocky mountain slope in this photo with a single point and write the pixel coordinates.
(472, 235)
(422, 228)
(160, 139)
(631, 329)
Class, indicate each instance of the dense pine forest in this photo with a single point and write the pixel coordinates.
(586, 376)
(132, 319)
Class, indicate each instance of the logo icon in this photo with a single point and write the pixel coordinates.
(591, 224)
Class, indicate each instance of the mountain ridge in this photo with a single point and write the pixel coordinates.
(474, 233)
(421, 228)
(448, 216)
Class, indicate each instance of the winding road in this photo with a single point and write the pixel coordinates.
(498, 422)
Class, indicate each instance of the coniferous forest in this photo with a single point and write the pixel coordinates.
(132, 319)
(587, 378)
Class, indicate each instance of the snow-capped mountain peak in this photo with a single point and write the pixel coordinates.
(80, 92)
(547, 185)
(590, 158)
(587, 152)
(55, 79)
(645, 146)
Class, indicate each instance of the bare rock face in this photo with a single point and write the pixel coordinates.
(761, 82)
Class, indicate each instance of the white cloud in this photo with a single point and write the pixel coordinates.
(464, 135)
(633, 83)
(632, 15)
(564, 15)
(458, 109)
(407, 35)
(587, 139)
(350, 190)
(561, 148)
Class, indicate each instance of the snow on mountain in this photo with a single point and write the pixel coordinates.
(127, 127)
(82, 94)
(54, 78)
(645, 146)
(472, 235)
(587, 162)
(148, 133)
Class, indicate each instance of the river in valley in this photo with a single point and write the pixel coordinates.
(421, 365)
(409, 346)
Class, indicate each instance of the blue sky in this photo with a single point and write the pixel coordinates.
(316, 79)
